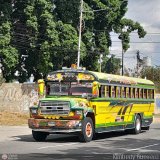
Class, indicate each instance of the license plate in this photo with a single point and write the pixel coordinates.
(51, 124)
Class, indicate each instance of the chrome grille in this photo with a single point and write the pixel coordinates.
(55, 107)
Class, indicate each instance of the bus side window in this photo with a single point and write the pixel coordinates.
(145, 94)
(113, 92)
(153, 94)
(127, 92)
(150, 94)
(110, 91)
(123, 92)
(130, 93)
(133, 93)
(102, 91)
(118, 92)
(137, 92)
(141, 93)
(106, 91)
(115, 89)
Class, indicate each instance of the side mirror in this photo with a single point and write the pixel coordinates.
(95, 89)
(41, 87)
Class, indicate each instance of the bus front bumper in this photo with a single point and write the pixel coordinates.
(55, 126)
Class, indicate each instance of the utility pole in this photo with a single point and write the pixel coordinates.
(121, 36)
(137, 67)
(122, 61)
(100, 60)
(80, 31)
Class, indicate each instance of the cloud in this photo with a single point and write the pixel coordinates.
(146, 12)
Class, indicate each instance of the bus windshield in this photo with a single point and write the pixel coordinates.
(68, 88)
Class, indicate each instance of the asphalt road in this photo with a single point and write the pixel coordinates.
(17, 143)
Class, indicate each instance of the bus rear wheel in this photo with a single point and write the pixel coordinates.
(146, 128)
(86, 134)
(39, 136)
(138, 125)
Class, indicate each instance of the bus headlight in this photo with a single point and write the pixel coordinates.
(78, 112)
(33, 110)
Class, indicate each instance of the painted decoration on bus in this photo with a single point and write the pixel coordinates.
(69, 76)
(55, 77)
(82, 76)
(121, 80)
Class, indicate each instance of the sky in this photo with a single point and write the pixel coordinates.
(147, 13)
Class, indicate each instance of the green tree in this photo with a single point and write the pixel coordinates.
(66, 53)
(113, 65)
(37, 36)
(100, 18)
(8, 53)
(20, 37)
(153, 74)
(124, 28)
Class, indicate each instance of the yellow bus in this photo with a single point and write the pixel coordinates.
(86, 102)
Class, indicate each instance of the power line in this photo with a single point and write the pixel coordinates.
(98, 10)
(115, 34)
(136, 33)
(136, 42)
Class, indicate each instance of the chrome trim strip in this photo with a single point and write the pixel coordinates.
(58, 130)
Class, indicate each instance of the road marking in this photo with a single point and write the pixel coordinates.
(143, 147)
(57, 146)
(16, 138)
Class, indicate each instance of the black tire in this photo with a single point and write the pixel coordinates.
(138, 125)
(39, 136)
(87, 132)
(146, 128)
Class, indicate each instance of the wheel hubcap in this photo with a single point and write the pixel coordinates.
(88, 129)
(138, 124)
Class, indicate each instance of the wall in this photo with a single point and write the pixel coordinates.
(17, 97)
(157, 103)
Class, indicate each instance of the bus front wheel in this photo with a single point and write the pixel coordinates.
(87, 131)
(39, 136)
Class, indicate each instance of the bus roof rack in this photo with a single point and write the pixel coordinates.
(65, 68)
(74, 68)
(82, 68)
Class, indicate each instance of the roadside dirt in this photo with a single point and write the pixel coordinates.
(13, 118)
(156, 118)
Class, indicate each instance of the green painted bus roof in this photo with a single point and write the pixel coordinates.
(111, 77)
(118, 78)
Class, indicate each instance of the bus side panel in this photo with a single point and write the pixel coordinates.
(146, 109)
(102, 113)
(149, 113)
(106, 115)
(116, 114)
